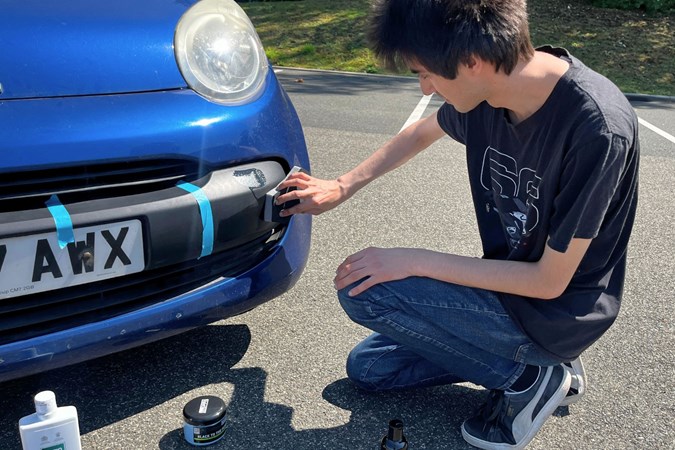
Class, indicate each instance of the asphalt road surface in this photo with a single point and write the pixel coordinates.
(280, 367)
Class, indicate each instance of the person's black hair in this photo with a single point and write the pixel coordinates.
(441, 34)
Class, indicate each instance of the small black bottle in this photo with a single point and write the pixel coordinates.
(394, 440)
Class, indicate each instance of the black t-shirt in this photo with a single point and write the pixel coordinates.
(568, 171)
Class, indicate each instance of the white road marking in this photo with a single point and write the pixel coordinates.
(657, 130)
(417, 112)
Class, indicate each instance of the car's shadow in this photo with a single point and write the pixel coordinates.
(115, 387)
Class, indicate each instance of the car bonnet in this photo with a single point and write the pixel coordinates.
(88, 47)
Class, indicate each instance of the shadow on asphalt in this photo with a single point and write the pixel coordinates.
(253, 423)
(111, 389)
(115, 387)
(323, 83)
(655, 103)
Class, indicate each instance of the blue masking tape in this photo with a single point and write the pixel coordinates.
(64, 226)
(206, 213)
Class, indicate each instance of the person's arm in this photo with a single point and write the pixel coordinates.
(318, 195)
(543, 279)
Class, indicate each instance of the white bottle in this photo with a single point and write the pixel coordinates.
(50, 427)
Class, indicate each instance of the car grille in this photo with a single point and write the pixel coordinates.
(47, 312)
(29, 189)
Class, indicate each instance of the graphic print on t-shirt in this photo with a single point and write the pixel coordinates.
(514, 191)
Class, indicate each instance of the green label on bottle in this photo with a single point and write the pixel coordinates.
(56, 447)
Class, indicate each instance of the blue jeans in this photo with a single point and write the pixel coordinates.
(428, 332)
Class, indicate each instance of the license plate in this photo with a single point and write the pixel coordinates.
(36, 263)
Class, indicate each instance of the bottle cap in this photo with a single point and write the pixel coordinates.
(45, 403)
(394, 439)
(395, 430)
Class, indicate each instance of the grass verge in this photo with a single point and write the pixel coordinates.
(633, 49)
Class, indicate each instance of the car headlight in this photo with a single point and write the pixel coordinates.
(219, 52)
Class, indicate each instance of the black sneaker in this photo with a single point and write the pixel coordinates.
(510, 420)
(578, 385)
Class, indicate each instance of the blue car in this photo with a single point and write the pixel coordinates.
(138, 141)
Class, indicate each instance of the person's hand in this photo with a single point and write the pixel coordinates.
(316, 196)
(376, 265)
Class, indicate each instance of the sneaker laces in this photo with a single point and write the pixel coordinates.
(492, 413)
(494, 404)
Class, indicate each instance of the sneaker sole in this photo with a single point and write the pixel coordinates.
(545, 412)
(578, 383)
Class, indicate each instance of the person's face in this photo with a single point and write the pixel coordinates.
(464, 92)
